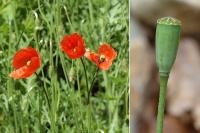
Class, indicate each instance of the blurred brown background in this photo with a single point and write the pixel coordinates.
(182, 114)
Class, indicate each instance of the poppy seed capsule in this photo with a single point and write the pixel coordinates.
(167, 41)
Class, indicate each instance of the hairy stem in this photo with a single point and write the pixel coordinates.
(86, 78)
(91, 86)
(45, 92)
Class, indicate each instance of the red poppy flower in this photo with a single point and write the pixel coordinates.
(104, 58)
(73, 45)
(26, 61)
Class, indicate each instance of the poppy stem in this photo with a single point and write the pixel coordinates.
(20, 38)
(86, 78)
(92, 84)
(40, 105)
(161, 105)
(45, 92)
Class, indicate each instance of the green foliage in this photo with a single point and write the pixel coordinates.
(42, 24)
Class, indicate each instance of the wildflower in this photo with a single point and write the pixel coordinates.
(26, 61)
(73, 45)
(104, 58)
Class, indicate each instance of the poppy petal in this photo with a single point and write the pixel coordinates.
(20, 73)
(105, 65)
(22, 56)
(26, 71)
(73, 45)
(92, 56)
(35, 64)
(95, 58)
(107, 51)
(26, 61)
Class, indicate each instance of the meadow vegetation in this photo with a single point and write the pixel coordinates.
(42, 24)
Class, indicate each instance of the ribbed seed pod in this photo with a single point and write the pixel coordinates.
(167, 41)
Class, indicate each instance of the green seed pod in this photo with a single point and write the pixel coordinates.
(167, 41)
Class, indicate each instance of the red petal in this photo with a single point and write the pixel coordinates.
(92, 56)
(95, 58)
(22, 56)
(19, 73)
(107, 51)
(105, 65)
(73, 45)
(26, 71)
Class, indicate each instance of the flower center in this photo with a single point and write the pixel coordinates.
(102, 58)
(28, 63)
(74, 50)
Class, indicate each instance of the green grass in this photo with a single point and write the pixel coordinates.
(42, 24)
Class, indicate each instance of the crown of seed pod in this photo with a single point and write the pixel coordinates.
(167, 41)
